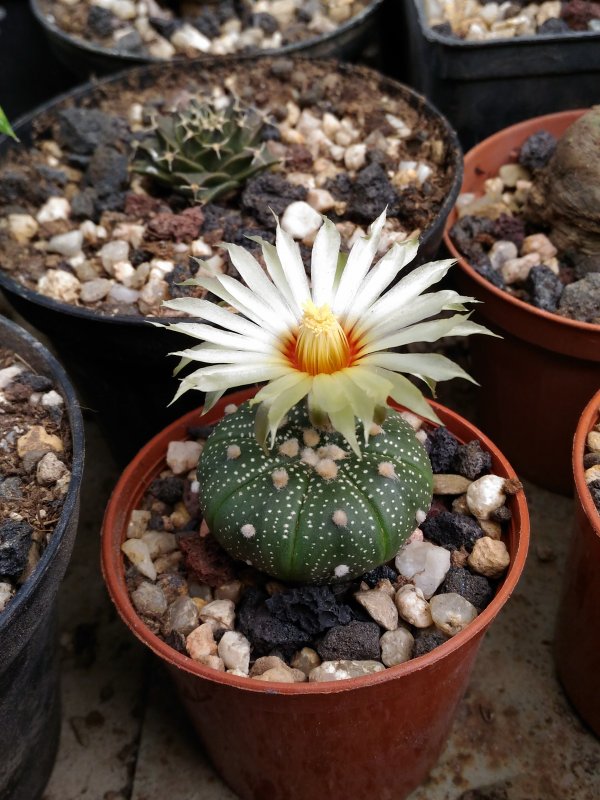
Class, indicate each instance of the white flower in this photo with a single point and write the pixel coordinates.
(331, 341)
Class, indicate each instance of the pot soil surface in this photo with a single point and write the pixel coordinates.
(35, 461)
(227, 615)
(591, 463)
(176, 28)
(481, 21)
(535, 232)
(78, 226)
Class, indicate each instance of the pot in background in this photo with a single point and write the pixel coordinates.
(577, 640)
(377, 736)
(535, 380)
(29, 653)
(118, 363)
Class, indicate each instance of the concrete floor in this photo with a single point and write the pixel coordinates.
(124, 737)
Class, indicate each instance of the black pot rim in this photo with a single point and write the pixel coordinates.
(449, 41)
(415, 98)
(60, 377)
(289, 49)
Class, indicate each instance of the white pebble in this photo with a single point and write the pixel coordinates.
(139, 555)
(66, 244)
(59, 285)
(94, 290)
(121, 294)
(234, 649)
(8, 374)
(300, 220)
(396, 646)
(489, 557)
(22, 227)
(355, 157)
(189, 38)
(425, 564)
(219, 613)
(54, 208)
(52, 399)
(113, 252)
(183, 456)
(413, 607)
(451, 612)
(485, 495)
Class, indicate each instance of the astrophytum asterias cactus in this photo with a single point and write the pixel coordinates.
(327, 351)
(310, 510)
(204, 151)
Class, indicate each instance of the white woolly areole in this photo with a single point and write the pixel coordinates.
(375, 429)
(340, 518)
(327, 469)
(233, 451)
(289, 448)
(230, 409)
(310, 457)
(420, 516)
(311, 437)
(280, 478)
(386, 470)
(341, 570)
(248, 530)
(412, 419)
(332, 451)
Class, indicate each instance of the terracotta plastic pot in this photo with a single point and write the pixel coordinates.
(29, 658)
(577, 642)
(376, 736)
(536, 379)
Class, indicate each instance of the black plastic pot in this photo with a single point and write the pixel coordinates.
(85, 58)
(120, 363)
(25, 82)
(29, 669)
(483, 87)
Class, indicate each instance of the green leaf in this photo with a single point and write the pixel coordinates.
(5, 126)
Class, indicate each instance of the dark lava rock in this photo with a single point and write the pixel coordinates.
(101, 22)
(207, 23)
(180, 273)
(10, 488)
(269, 193)
(107, 171)
(83, 204)
(167, 27)
(477, 589)
(356, 641)
(537, 150)
(176, 640)
(553, 26)
(373, 577)
(266, 22)
(544, 287)
(169, 490)
(426, 641)
(18, 185)
(111, 202)
(502, 514)
(584, 264)
(226, 9)
(442, 447)
(205, 560)
(313, 609)
(443, 29)
(471, 234)
(131, 42)
(263, 630)
(581, 300)
(56, 176)
(594, 487)
(37, 383)
(472, 460)
(15, 541)
(451, 530)
(511, 229)
(82, 130)
(494, 276)
(590, 460)
(200, 431)
(371, 193)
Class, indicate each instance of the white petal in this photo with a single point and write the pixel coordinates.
(429, 331)
(221, 355)
(293, 266)
(208, 333)
(406, 394)
(380, 277)
(225, 376)
(217, 288)
(357, 266)
(257, 281)
(262, 313)
(285, 400)
(324, 263)
(431, 365)
(211, 312)
(275, 270)
(406, 291)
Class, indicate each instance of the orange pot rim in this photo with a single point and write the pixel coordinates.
(590, 416)
(114, 573)
(497, 139)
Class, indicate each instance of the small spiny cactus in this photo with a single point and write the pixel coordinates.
(206, 151)
(311, 510)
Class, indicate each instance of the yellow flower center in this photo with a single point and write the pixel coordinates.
(322, 346)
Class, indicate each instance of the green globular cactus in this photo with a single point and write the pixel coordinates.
(204, 152)
(310, 510)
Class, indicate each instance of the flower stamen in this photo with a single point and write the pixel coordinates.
(322, 345)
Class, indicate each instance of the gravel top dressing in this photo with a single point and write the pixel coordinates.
(35, 460)
(176, 28)
(480, 21)
(79, 223)
(535, 232)
(591, 463)
(227, 615)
